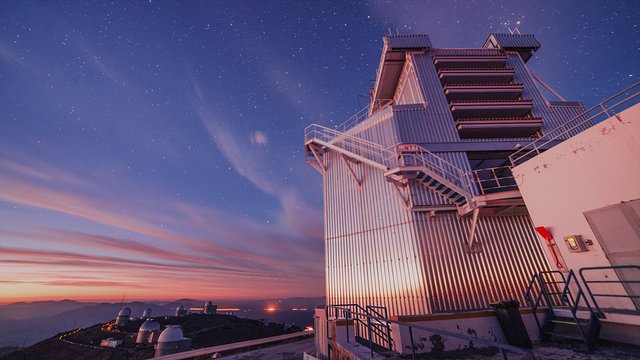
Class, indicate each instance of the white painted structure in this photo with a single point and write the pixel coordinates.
(181, 311)
(146, 314)
(148, 333)
(172, 341)
(122, 319)
(589, 186)
(595, 169)
(209, 308)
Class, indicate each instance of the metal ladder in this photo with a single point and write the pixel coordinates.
(557, 293)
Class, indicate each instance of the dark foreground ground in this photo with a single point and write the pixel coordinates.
(204, 330)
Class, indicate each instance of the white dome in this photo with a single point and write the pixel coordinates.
(124, 312)
(150, 325)
(180, 307)
(208, 303)
(171, 333)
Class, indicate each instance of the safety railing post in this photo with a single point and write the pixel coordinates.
(413, 347)
(370, 340)
(326, 327)
(347, 325)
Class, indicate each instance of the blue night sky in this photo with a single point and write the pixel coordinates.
(155, 148)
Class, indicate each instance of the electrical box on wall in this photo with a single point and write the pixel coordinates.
(575, 243)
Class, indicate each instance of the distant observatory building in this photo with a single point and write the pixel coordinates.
(147, 313)
(181, 311)
(122, 319)
(172, 341)
(209, 308)
(148, 333)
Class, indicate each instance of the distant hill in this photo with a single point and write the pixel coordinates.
(23, 324)
(203, 330)
(30, 310)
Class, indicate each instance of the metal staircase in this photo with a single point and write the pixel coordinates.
(568, 312)
(410, 162)
(439, 175)
(372, 326)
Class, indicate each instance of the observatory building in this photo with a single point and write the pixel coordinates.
(122, 320)
(172, 341)
(181, 311)
(209, 308)
(146, 314)
(148, 333)
(424, 218)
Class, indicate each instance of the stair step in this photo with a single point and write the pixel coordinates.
(564, 322)
(566, 336)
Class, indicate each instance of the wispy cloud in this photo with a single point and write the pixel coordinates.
(169, 240)
(295, 215)
(259, 138)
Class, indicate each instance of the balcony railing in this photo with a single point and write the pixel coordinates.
(602, 111)
(363, 114)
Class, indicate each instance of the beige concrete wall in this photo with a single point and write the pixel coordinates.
(479, 324)
(596, 168)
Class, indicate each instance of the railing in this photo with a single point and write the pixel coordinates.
(381, 311)
(468, 184)
(501, 70)
(348, 314)
(579, 123)
(544, 297)
(587, 283)
(505, 101)
(379, 330)
(495, 179)
(574, 303)
(363, 113)
(361, 147)
(419, 156)
(198, 353)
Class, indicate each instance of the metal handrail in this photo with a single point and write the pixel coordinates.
(363, 114)
(468, 183)
(532, 149)
(371, 327)
(503, 348)
(494, 179)
(565, 294)
(506, 101)
(361, 147)
(437, 165)
(593, 296)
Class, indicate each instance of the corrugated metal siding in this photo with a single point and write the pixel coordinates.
(371, 254)
(508, 255)
(378, 128)
(415, 41)
(517, 40)
(380, 253)
(552, 116)
(435, 122)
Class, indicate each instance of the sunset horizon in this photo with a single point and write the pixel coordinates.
(155, 148)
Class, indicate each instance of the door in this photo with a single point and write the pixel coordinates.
(617, 228)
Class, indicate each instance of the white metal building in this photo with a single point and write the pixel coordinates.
(422, 212)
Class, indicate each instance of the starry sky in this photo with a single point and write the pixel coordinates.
(155, 148)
